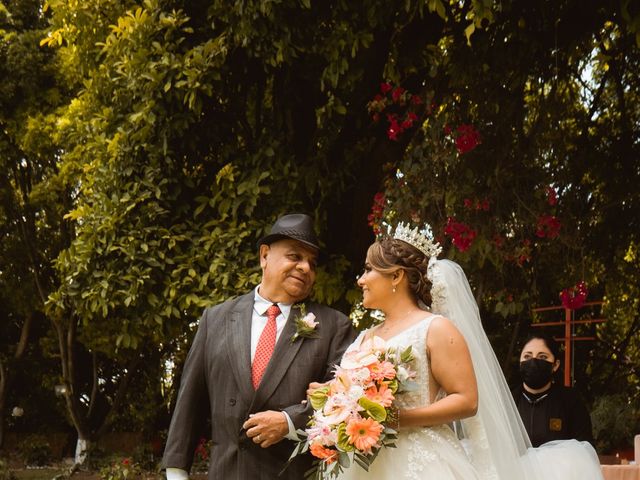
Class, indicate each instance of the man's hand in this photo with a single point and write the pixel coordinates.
(266, 428)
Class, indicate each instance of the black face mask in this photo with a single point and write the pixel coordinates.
(536, 373)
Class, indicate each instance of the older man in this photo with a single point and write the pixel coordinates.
(249, 370)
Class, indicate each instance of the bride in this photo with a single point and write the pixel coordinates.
(460, 380)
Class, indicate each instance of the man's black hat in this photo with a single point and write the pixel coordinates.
(296, 226)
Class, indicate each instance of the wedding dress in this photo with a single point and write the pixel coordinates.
(491, 445)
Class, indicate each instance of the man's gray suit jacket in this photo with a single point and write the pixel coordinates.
(216, 382)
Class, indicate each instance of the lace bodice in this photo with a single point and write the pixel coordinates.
(416, 336)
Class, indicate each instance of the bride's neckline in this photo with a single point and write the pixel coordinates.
(412, 326)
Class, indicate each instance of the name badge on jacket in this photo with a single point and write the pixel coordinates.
(555, 424)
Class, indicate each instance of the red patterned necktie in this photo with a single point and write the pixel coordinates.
(266, 344)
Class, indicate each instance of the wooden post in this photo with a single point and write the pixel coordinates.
(568, 337)
(568, 343)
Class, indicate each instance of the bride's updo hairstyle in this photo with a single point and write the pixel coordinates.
(390, 254)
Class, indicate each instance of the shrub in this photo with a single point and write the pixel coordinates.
(5, 473)
(36, 450)
(144, 457)
(201, 456)
(614, 422)
(120, 469)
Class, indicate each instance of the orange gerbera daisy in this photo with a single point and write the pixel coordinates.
(364, 433)
(323, 453)
(381, 395)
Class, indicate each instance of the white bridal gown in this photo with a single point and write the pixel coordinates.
(436, 453)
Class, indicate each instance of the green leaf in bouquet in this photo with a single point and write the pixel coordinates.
(373, 409)
(393, 385)
(363, 461)
(344, 460)
(319, 397)
(406, 356)
(343, 439)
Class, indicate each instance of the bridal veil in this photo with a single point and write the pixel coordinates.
(495, 437)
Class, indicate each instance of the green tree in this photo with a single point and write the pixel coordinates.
(32, 201)
(196, 125)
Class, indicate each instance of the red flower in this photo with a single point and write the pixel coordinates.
(468, 204)
(397, 93)
(447, 129)
(416, 100)
(548, 226)
(462, 235)
(552, 196)
(467, 139)
(377, 208)
(574, 297)
(385, 87)
(126, 462)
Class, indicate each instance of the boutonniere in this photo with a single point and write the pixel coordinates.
(305, 324)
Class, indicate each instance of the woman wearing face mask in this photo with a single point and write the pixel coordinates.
(549, 411)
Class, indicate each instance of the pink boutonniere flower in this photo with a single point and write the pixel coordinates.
(305, 325)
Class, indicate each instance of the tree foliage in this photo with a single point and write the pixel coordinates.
(162, 137)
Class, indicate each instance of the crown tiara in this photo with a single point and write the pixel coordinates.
(420, 239)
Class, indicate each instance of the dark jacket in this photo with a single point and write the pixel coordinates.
(217, 382)
(560, 415)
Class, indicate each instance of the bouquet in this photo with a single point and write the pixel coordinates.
(354, 413)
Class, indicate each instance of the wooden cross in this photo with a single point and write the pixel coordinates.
(568, 339)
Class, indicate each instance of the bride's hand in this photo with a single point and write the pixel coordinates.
(313, 386)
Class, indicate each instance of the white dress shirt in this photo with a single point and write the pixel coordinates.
(258, 322)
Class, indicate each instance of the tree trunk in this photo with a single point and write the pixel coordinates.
(7, 367)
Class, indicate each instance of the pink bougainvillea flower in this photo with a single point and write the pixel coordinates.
(574, 297)
(385, 87)
(396, 95)
(377, 208)
(364, 433)
(462, 235)
(548, 227)
(467, 138)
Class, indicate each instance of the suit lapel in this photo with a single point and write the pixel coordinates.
(239, 344)
(283, 355)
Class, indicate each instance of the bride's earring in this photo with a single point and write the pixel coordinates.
(394, 290)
